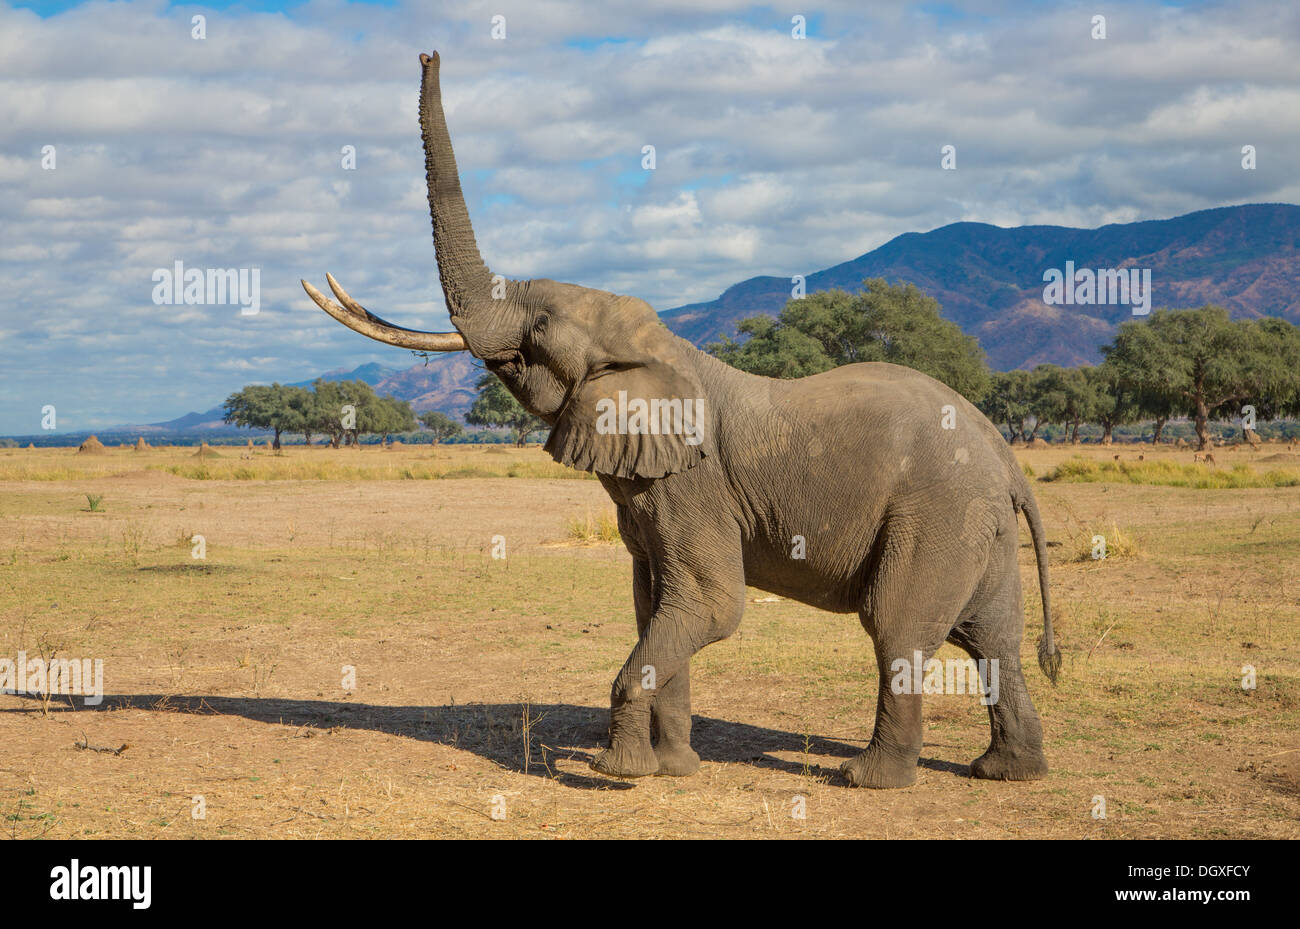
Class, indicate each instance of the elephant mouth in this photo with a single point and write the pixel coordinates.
(507, 364)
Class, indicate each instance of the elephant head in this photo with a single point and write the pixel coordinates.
(565, 352)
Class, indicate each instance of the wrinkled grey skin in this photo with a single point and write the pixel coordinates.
(908, 524)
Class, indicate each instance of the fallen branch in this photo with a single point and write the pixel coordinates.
(85, 745)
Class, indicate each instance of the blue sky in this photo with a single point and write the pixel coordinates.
(774, 156)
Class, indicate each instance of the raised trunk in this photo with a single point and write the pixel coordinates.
(466, 280)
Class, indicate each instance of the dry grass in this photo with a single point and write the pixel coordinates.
(1099, 542)
(595, 527)
(1170, 473)
(294, 463)
(480, 684)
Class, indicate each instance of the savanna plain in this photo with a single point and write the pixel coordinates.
(349, 659)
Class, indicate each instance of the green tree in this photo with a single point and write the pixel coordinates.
(347, 410)
(1040, 398)
(1064, 395)
(1271, 371)
(1007, 402)
(1112, 402)
(894, 323)
(385, 416)
(302, 405)
(276, 407)
(1197, 363)
(335, 408)
(495, 407)
(441, 425)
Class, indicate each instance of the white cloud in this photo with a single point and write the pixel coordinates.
(774, 156)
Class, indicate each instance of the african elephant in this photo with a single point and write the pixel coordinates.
(869, 488)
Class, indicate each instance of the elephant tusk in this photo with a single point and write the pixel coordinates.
(359, 319)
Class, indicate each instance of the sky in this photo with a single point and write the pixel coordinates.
(128, 144)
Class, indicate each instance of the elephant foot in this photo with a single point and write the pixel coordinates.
(620, 760)
(1005, 764)
(875, 768)
(677, 760)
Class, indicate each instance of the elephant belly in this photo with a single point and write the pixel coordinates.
(832, 579)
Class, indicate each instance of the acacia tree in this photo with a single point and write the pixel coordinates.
(898, 324)
(495, 407)
(302, 404)
(441, 425)
(1271, 372)
(1063, 395)
(1112, 401)
(276, 407)
(1007, 402)
(347, 410)
(385, 416)
(334, 412)
(1194, 362)
(1040, 401)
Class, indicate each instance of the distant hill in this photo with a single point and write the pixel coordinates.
(210, 421)
(446, 383)
(989, 280)
(373, 374)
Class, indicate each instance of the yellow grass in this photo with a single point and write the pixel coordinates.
(1174, 474)
(595, 527)
(293, 463)
(480, 679)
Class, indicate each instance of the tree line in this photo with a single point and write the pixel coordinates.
(342, 411)
(345, 411)
(1199, 364)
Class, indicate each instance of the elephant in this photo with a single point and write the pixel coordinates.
(869, 488)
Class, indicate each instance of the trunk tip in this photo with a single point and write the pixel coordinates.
(426, 60)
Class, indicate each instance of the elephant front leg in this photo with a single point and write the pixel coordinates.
(690, 591)
(637, 709)
(657, 661)
(671, 722)
(630, 753)
(670, 711)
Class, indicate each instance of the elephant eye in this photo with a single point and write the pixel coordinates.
(540, 324)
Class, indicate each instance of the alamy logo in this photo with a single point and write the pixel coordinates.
(66, 676)
(242, 286)
(88, 882)
(657, 416)
(954, 676)
(1109, 286)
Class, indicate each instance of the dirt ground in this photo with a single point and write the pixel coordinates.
(348, 659)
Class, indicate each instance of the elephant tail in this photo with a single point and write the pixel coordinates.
(1049, 656)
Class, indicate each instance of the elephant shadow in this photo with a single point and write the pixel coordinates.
(495, 732)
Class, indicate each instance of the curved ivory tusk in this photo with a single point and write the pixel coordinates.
(359, 319)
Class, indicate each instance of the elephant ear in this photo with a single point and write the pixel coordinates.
(634, 419)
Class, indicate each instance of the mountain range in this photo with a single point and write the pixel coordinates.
(987, 279)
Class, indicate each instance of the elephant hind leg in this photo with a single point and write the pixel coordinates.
(993, 635)
(918, 591)
(890, 759)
